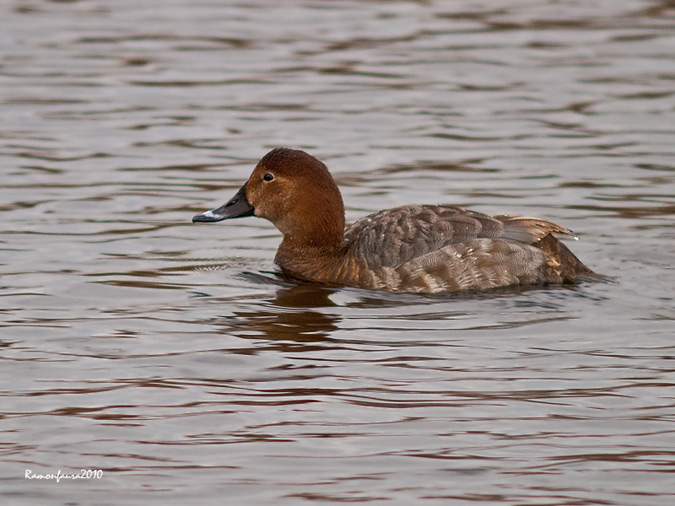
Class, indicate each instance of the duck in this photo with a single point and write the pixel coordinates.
(410, 249)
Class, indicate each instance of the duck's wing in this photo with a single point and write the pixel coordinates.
(395, 236)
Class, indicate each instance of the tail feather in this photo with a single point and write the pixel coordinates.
(563, 265)
(529, 230)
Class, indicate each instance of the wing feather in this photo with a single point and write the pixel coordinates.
(395, 236)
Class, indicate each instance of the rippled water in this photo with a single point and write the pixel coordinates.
(172, 358)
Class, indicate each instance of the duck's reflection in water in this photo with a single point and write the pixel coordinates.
(291, 321)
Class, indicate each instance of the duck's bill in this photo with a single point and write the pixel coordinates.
(236, 207)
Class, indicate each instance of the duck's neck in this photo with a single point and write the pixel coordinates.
(311, 262)
(321, 239)
(313, 237)
(308, 249)
(314, 226)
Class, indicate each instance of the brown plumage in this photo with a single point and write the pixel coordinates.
(415, 248)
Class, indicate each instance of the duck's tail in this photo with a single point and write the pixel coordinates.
(563, 265)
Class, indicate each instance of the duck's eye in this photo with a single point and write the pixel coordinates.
(268, 177)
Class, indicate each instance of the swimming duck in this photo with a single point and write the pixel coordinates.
(413, 248)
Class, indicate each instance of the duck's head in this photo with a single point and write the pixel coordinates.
(294, 191)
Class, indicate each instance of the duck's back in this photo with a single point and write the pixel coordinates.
(445, 249)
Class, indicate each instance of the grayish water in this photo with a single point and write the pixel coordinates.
(173, 359)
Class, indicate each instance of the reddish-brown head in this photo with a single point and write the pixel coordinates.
(294, 191)
(297, 194)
